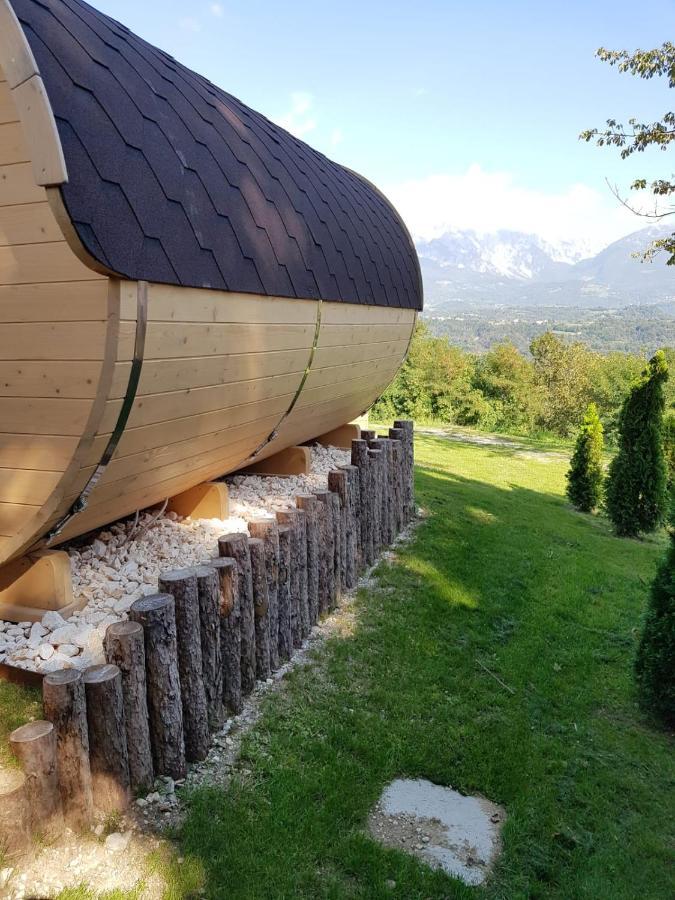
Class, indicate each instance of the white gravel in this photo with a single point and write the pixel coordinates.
(123, 562)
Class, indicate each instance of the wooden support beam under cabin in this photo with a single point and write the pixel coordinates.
(341, 437)
(209, 500)
(35, 584)
(291, 461)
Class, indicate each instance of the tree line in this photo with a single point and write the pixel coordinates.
(504, 390)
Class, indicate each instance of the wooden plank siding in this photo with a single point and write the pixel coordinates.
(53, 323)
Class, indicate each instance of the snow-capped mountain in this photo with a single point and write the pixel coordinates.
(513, 268)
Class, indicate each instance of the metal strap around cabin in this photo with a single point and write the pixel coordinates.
(128, 402)
(296, 397)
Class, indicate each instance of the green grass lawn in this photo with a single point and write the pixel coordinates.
(17, 706)
(501, 574)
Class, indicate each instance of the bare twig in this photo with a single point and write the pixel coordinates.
(496, 678)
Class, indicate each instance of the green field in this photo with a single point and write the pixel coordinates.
(502, 574)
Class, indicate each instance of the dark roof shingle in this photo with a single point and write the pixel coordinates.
(173, 180)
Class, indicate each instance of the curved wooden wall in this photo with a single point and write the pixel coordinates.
(224, 376)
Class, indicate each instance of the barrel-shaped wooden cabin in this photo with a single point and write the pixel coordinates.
(184, 286)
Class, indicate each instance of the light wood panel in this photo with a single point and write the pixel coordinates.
(45, 301)
(46, 294)
(175, 340)
(13, 147)
(27, 223)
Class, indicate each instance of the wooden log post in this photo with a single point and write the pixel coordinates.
(323, 526)
(368, 434)
(366, 473)
(382, 443)
(338, 483)
(235, 545)
(230, 631)
(208, 591)
(284, 588)
(182, 585)
(353, 524)
(336, 511)
(397, 437)
(291, 518)
(64, 704)
(308, 503)
(124, 645)
(406, 425)
(375, 457)
(108, 756)
(15, 817)
(34, 745)
(267, 529)
(156, 614)
(327, 556)
(261, 607)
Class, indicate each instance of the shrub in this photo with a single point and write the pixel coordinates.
(636, 488)
(584, 478)
(655, 661)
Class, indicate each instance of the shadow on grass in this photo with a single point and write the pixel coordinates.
(494, 656)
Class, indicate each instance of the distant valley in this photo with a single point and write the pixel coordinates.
(480, 289)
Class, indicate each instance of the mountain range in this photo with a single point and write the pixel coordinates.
(511, 268)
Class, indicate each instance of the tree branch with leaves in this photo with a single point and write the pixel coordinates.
(636, 137)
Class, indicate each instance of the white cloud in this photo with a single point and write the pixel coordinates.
(217, 10)
(488, 201)
(189, 23)
(336, 137)
(299, 119)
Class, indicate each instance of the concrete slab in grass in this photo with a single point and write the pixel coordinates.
(459, 834)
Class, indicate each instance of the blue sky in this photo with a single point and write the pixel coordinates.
(466, 113)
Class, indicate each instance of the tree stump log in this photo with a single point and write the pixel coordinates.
(308, 503)
(267, 530)
(64, 703)
(208, 591)
(353, 524)
(336, 515)
(361, 460)
(337, 482)
(383, 445)
(329, 528)
(368, 434)
(323, 525)
(235, 545)
(230, 631)
(34, 745)
(125, 648)
(297, 522)
(107, 738)
(15, 814)
(156, 614)
(397, 436)
(285, 535)
(375, 457)
(407, 427)
(261, 606)
(182, 585)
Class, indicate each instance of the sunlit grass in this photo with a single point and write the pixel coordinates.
(495, 656)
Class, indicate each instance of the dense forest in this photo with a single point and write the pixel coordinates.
(545, 390)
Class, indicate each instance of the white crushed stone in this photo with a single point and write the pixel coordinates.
(122, 563)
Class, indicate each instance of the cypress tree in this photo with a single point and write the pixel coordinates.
(636, 497)
(584, 478)
(655, 661)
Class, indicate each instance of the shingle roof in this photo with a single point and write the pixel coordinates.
(173, 180)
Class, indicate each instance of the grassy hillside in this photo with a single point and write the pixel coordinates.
(502, 576)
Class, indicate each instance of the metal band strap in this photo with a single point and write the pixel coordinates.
(296, 397)
(120, 425)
